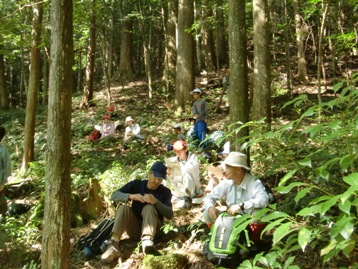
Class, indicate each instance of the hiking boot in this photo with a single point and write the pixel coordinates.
(111, 253)
(147, 245)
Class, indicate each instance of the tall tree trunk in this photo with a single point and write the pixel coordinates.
(220, 41)
(287, 48)
(207, 37)
(4, 94)
(56, 225)
(301, 33)
(125, 68)
(185, 77)
(320, 49)
(262, 80)
(170, 46)
(238, 93)
(33, 89)
(145, 26)
(91, 56)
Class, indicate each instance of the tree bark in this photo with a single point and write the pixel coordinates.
(207, 37)
(301, 33)
(170, 47)
(262, 80)
(220, 41)
(34, 83)
(56, 225)
(185, 77)
(125, 68)
(238, 92)
(91, 56)
(4, 95)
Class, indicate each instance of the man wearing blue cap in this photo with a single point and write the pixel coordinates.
(151, 202)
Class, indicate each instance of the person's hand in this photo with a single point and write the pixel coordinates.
(150, 199)
(137, 197)
(169, 170)
(234, 209)
(212, 213)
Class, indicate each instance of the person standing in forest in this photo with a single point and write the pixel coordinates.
(151, 203)
(200, 114)
(5, 171)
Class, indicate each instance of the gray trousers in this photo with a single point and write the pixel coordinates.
(126, 221)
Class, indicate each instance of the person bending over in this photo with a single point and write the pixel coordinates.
(151, 203)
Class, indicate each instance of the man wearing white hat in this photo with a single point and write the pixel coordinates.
(244, 193)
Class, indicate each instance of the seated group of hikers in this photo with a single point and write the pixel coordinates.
(175, 182)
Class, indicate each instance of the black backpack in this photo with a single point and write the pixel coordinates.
(94, 243)
(228, 241)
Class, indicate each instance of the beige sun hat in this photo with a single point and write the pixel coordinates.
(129, 118)
(236, 159)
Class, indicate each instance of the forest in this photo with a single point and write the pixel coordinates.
(280, 79)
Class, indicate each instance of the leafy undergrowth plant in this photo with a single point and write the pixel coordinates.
(318, 192)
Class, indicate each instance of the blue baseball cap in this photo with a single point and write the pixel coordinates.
(159, 170)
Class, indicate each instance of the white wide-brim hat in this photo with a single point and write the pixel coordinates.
(236, 159)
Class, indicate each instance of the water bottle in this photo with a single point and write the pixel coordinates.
(104, 246)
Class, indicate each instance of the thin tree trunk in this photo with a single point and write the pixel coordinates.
(55, 251)
(287, 48)
(207, 37)
(300, 36)
(4, 95)
(320, 50)
(91, 56)
(34, 83)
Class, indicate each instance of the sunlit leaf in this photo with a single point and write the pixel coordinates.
(305, 162)
(328, 204)
(339, 226)
(345, 207)
(287, 177)
(286, 189)
(351, 179)
(302, 194)
(313, 130)
(332, 244)
(346, 161)
(282, 231)
(304, 237)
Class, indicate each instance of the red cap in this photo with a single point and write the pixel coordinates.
(106, 117)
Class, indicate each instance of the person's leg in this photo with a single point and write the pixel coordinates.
(208, 220)
(125, 221)
(201, 131)
(150, 227)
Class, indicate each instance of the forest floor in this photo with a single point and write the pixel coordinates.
(157, 117)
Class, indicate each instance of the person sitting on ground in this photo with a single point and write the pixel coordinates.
(178, 135)
(216, 170)
(185, 181)
(200, 114)
(5, 171)
(132, 130)
(243, 192)
(108, 128)
(151, 203)
(178, 132)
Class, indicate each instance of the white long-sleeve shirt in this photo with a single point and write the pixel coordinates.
(251, 192)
